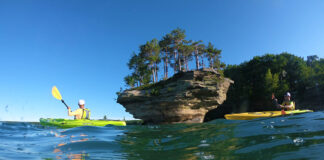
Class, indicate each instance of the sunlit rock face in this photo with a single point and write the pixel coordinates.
(184, 98)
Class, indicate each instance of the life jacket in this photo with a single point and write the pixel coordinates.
(85, 113)
(284, 103)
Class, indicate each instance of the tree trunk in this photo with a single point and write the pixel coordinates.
(164, 64)
(187, 68)
(175, 62)
(153, 74)
(156, 74)
(166, 67)
(184, 63)
(179, 61)
(210, 62)
(202, 62)
(197, 59)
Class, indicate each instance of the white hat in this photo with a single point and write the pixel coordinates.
(81, 102)
(288, 94)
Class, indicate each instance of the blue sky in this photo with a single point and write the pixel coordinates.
(82, 46)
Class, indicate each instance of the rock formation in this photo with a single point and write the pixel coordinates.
(184, 98)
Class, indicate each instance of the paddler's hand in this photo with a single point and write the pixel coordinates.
(69, 108)
(273, 97)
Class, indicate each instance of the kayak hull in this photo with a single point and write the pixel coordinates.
(67, 123)
(264, 114)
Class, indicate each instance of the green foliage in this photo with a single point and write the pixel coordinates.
(141, 73)
(166, 49)
(119, 92)
(130, 80)
(218, 79)
(311, 60)
(151, 89)
(213, 55)
(165, 43)
(170, 89)
(178, 35)
(150, 52)
(175, 51)
(185, 51)
(155, 91)
(256, 79)
(271, 82)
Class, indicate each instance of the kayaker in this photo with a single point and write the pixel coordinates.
(81, 112)
(287, 104)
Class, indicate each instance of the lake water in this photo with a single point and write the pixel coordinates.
(290, 137)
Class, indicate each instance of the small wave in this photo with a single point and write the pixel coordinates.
(267, 138)
(90, 145)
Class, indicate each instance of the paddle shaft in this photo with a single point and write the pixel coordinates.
(65, 104)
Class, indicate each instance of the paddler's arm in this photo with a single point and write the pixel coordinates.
(290, 106)
(275, 101)
(72, 113)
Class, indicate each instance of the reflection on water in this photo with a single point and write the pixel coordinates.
(180, 141)
(290, 137)
(72, 139)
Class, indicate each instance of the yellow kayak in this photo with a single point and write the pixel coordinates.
(254, 115)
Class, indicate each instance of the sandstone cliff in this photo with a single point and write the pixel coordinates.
(184, 98)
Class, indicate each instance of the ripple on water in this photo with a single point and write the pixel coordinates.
(289, 137)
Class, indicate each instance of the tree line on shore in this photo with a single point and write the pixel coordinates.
(258, 78)
(175, 52)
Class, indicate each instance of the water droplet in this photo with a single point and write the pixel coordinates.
(298, 141)
(203, 156)
(204, 145)
(270, 126)
(203, 141)
(208, 157)
(199, 153)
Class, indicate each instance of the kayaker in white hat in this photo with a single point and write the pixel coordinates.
(287, 104)
(81, 112)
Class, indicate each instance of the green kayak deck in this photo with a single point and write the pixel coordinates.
(68, 123)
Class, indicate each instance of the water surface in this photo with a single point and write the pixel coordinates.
(290, 137)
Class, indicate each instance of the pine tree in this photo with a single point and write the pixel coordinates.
(166, 50)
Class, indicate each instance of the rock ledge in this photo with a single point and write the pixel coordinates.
(184, 98)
